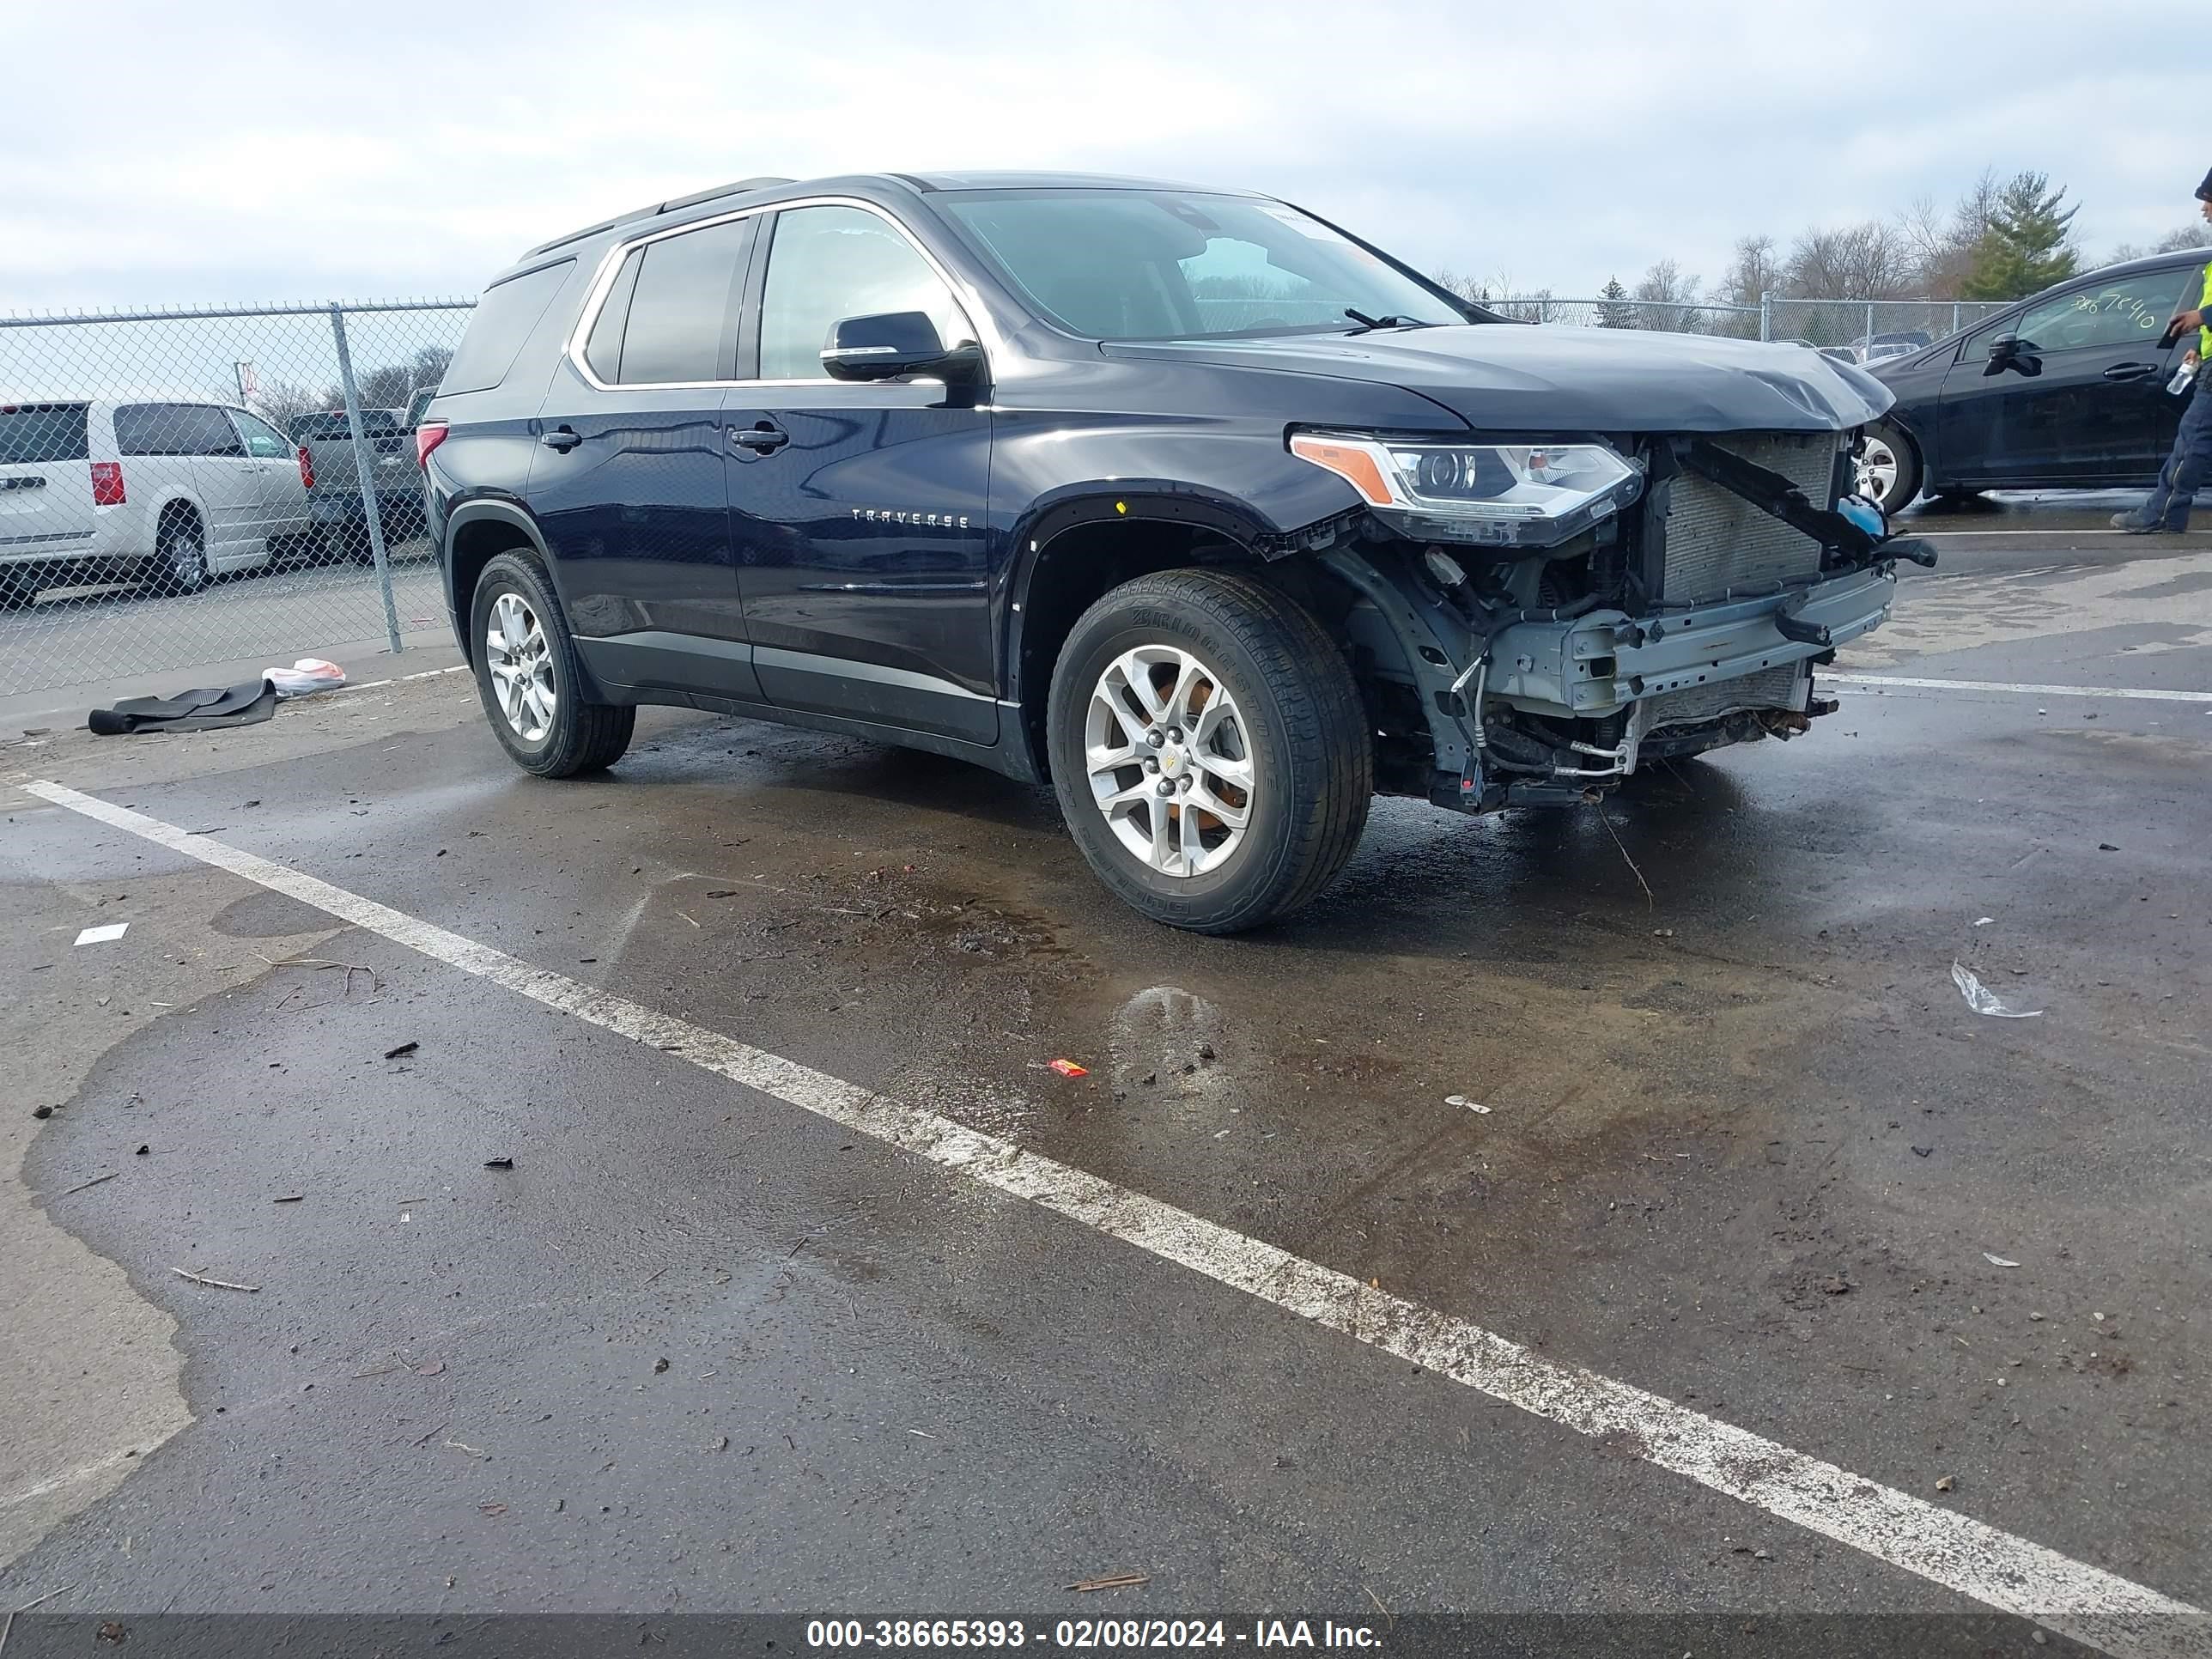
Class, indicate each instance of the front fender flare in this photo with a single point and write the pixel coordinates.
(1139, 500)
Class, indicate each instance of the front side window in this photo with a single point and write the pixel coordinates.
(682, 319)
(1124, 264)
(176, 429)
(826, 263)
(263, 440)
(2127, 311)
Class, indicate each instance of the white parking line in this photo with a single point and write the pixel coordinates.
(1991, 1566)
(1985, 535)
(1879, 681)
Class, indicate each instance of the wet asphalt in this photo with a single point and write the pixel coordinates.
(696, 1350)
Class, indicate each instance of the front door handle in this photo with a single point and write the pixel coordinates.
(2132, 372)
(762, 438)
(561, 438)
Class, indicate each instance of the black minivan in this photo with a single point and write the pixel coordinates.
(1203, 510)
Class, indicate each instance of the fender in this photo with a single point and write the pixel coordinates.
(481, 510)
(489, 509)
(1134, 501)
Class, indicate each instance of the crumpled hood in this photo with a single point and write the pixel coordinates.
(1511, 377)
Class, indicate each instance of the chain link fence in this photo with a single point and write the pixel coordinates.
(188, 487)
(1865, 327)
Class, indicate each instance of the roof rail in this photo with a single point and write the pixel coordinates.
(765, 181)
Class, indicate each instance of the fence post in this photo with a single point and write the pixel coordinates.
(1954, 316)
(1766, 314)
(364, 466)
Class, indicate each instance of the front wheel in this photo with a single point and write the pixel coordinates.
(1888, 468)
(1209, 749)
(530, 679)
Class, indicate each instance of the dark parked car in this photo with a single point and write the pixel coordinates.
(2064, 390)
(1215, 517)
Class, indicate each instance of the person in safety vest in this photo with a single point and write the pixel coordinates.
(2191, 463)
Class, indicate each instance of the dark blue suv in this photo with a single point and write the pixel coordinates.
(1201, 509)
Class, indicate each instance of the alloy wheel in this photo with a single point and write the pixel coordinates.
(1169, 760)
(520, 660)
(1877, 469)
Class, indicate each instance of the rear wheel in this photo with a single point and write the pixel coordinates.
(1888, 468)
(1209, 749)
(182, 553)
(531, 681)
(19, 586)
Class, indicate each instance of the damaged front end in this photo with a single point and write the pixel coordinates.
(1538, 619)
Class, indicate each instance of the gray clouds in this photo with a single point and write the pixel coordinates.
(202, 154)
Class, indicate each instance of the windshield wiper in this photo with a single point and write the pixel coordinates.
(1368, 324)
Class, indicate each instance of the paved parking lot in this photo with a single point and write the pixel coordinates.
(85, 638)
(1774, 1280)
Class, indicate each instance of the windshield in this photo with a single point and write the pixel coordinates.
(1139, 264)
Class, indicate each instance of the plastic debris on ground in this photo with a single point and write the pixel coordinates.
(112, 930)
(1069, 1068)
(1983, 1001)
(1461, 1100)
(305, 677)
(1998, 1261)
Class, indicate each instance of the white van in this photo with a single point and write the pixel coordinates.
(167, 492)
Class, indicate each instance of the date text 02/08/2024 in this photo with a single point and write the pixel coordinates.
(834, 1634)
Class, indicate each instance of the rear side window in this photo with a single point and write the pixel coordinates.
(683, 322)
(32, 434)
(176, 429)
(602, 350)
(503, 320)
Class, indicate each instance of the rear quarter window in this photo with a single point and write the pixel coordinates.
(504, 320)
(33, 434)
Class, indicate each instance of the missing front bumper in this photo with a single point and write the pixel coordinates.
(1607, 661)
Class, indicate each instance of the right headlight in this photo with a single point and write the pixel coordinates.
(1528, 496)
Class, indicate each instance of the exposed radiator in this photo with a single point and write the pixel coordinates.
(1718, 543)
(1770, 688)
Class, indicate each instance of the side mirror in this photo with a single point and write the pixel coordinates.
(890, 344)
(2011, 351)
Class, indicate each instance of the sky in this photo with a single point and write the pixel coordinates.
(190, 153)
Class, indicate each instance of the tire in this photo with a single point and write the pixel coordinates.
(181, 555)
(1293, 723)
(553, 732)
(19, 586)
(1889, 469)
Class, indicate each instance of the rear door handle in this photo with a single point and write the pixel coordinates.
(561, 438)
(762, 438)
(2131, 371)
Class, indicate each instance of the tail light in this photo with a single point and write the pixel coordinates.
(108, 484)
(307, 469)
(427, 437)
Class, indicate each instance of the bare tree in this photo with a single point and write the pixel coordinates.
(1869, 261)
(1664, 293)
(2184, 236)
(284, 401)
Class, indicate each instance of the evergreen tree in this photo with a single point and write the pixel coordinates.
(2025, 248)
(1614, 310)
